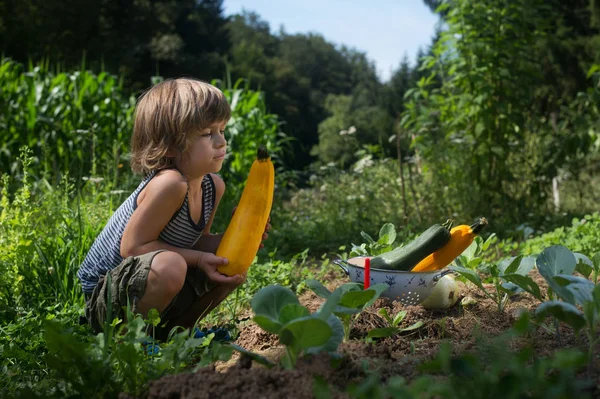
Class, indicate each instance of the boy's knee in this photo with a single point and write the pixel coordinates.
(168, 270)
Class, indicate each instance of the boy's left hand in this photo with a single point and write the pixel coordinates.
(266, 233)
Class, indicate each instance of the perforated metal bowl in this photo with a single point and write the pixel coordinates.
(410, 288)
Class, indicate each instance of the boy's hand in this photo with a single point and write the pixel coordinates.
(266, 233)
(267, 228)
(210, 262)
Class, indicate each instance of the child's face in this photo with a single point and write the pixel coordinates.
(205, 153)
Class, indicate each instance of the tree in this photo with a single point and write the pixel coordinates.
(136, 39)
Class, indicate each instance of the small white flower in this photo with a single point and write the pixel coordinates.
(93, 179)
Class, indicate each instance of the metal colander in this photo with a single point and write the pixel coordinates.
(410, 288)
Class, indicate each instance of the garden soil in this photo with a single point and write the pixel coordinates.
(400, 355)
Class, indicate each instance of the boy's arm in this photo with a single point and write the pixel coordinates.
(161, 198)
(210, 242)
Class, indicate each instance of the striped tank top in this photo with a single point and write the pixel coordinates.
(181, 231)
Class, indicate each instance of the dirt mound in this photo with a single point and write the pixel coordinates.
(243, 381)
(464, 327)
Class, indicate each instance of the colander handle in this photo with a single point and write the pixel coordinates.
(441, 274)
(341, 264)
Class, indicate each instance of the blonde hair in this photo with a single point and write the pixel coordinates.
(168, 115)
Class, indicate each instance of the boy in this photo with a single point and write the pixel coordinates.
(157, 246)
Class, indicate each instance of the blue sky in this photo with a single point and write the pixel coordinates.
(384, 29)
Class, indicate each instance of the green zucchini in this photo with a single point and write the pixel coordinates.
(406, 257)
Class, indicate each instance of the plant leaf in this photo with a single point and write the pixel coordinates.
(344, 290)
(356, 299)
(511, 288)
(596, 295)
(584, 269)
(579, 288)
(379, 289)
(526, 283)
(471, 250)
(292, 311)
(367, 238)
(492, 238)
(585, 266)
(399, 317)
(329, 306)
(522, 267)
(269, 300)
(337, 336)
(254, 356)
(382, 332)
(384, 313)
(470, 275)
(412, 327)
(387, 234)
(305, 332)
(318, 288)
(474, 263)
(555, 260)
(511, 266)
(596, 261)
(563, 311)
(268, 324)
(581, 258)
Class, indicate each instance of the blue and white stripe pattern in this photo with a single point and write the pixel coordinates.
(181, 231)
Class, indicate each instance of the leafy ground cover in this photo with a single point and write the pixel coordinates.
(474, 348)
(467, 349)
(526, 324)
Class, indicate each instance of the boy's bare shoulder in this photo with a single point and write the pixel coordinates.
(169, 183)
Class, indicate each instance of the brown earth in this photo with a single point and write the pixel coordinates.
(394, 356)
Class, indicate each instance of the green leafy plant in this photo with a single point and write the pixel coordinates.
(471, 264)
(579, 304)
(489, 371)
(353, 299)
(278, 311)
(385, 242)
(582, 236)
(290, 272)
(122, 358)
(557, 265)
(393, 325)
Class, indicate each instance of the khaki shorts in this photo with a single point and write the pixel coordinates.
(128, 284)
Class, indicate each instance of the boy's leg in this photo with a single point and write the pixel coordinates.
(204, 304)
(197, 298)
(128, 283)
(165, 279)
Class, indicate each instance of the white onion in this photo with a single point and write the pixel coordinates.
(444, 294)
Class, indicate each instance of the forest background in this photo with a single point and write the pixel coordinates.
(498, 116)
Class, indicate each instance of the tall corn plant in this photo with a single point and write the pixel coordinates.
(75, 122)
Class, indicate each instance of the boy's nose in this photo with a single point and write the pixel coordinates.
(222, 142)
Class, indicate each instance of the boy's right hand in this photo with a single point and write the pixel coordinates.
(209, 263)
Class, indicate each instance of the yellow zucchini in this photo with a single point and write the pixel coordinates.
(243, 235)
(460, 238)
